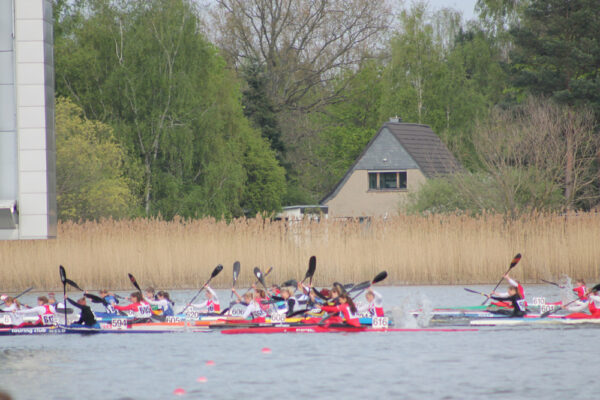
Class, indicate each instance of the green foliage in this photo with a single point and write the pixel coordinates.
(557, 51)
(481, 192)
(89, 168)
(145, 68)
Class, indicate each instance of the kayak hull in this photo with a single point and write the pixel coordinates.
(332, 329)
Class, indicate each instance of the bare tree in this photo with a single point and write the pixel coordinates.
(539, 149)
(301, 44)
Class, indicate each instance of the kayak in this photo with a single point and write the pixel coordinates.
(507, 321)
(333, 329)
(32, 330)
(136, 328)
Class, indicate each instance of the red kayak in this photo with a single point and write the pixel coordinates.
(332, 329)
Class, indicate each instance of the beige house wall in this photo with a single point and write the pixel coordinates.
(356, 200)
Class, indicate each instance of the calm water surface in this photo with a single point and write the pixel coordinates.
(492, 363)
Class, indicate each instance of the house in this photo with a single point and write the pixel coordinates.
(395, 163)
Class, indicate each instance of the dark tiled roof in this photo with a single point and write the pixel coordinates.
(425, 147)
(422, 144)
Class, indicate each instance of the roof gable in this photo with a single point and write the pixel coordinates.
(400, 145)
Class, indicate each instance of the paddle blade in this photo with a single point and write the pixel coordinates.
(348, 286)
(596, 288)
(380, 276)
(70, 282)
(132, 279)
(257, 273)
(216, 271)
(63, 275)
(291, 282)
(312, 266)
(319, 294)
(339, 287)
(236, 271)
(515, 260)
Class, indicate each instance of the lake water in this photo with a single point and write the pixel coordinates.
(492, 363)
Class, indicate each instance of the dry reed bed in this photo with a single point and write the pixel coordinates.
(413, 249)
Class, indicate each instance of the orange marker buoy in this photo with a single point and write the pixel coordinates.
(266, 350)
(179, 392)
(201, 379)
(210, 362)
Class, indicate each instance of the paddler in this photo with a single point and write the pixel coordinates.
(86, 316)
(44, 311)
(581, 290)
(110, 299)
(346, 307)
(592, 303)
(163, 305)
(286, 303)
(520, 290)
(519, 307)
(142, 312)
(210, 305)
(254, 310)
(374, 303)
(10, 304)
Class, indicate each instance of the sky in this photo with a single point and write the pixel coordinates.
(466, 6)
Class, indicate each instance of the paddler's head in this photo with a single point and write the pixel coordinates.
(286, 293)
(42, 300)
(150, 292)
(512, 290)
(8, 300)
(335, 292)
(580, 282)
(370, 296)
(136, 297)
(81, 301)
(248, 297)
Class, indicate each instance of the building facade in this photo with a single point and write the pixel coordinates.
(27, 142)
(395, 163)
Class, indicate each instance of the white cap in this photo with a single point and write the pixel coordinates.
(3, 297)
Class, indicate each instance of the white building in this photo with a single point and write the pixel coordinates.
(27, 145)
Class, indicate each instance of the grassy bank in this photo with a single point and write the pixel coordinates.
(413, 249)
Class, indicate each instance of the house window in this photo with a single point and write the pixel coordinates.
(387, 180)
(373, 180)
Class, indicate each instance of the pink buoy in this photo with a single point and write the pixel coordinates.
(179, 392)
(201, 379)
(266, 350)
(210, 362)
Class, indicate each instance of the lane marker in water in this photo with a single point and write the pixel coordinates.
(201, 379)
(179, 392)
(266, 350)
(210, 363)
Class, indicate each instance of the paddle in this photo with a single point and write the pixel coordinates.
(378, 278)
(134, 281)
(513, 263)
(476, 292)
(552, 283)
(215, 272)
(73, 284)
(291, 282)
(63, 279)
(544, 315)
(261, 279)
(96, 299)
(358, 286)
(312, 266)
(236, 273)
(20, 294)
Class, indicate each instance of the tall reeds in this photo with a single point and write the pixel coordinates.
(413, 249)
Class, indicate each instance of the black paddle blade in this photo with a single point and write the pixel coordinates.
(291, 282)
(216, 271)
(63, 275)
(515, 260)
(319, 294)
(312, 267)
(348, 286)
(70, 282)
(257, 273)
(132, 279)
(596, 288)
(379, 277)
(236, 271)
